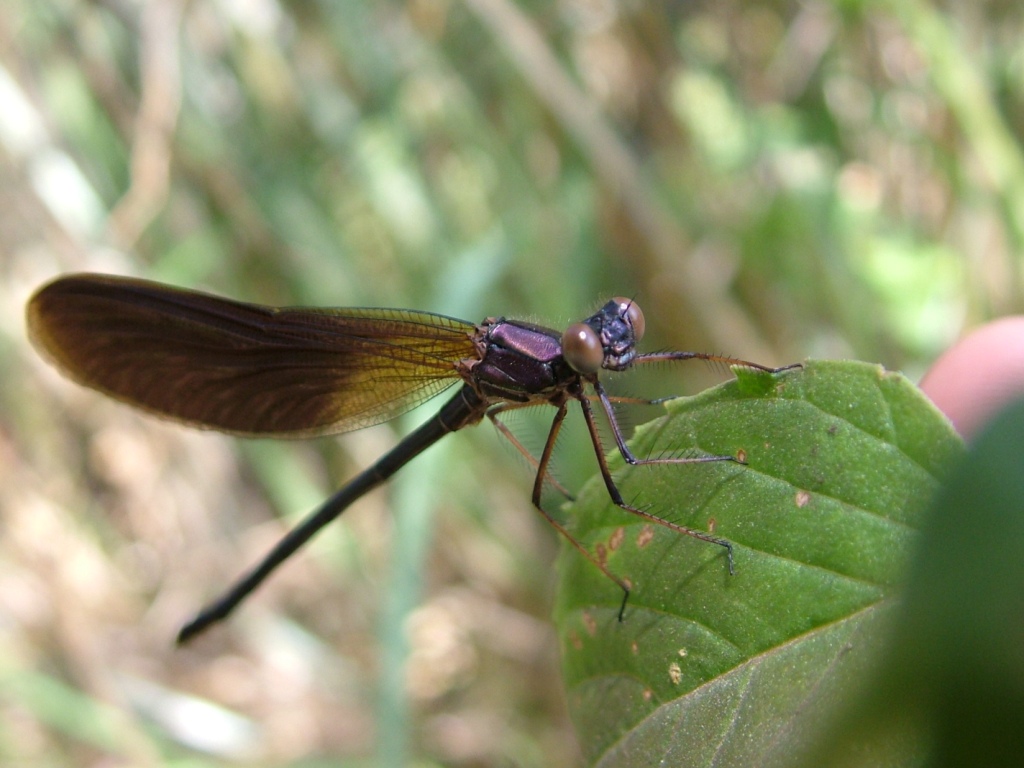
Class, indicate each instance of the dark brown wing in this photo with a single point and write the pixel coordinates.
(244, 368)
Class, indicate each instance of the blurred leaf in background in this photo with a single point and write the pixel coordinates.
(770, 180)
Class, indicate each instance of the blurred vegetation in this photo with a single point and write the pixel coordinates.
(772, 180)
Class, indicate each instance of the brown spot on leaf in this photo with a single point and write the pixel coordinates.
(615, 540)
(675, 673)
(589, 623)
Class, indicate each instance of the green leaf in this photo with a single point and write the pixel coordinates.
(951, 682)
(841, 461)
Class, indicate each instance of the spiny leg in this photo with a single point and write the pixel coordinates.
(660, 357)
(620, 439)
(627, 400)
(493, 413)
(616, 495)
(656, 357)
(538, 485)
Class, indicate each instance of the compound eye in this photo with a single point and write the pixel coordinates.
(631, 310)
(582, 349)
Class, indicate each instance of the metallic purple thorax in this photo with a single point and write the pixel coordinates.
(521, 361)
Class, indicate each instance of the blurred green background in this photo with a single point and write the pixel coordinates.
(771, 180)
